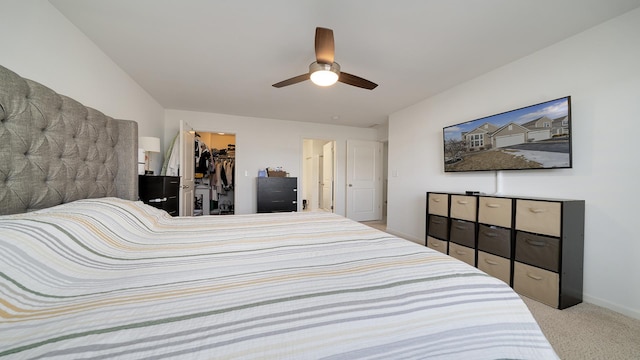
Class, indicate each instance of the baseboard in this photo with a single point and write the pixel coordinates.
(634, 313)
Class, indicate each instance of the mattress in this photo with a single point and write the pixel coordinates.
(110, 278)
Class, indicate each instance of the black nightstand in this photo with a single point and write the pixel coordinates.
(160, 192)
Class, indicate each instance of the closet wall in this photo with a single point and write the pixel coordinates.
(217, 140)
(215, 173)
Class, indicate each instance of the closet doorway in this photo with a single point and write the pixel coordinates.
(215, 154)
(318, 175)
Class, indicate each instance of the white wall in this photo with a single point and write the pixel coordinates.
(262, 143)
(40, 44)
(600, 69)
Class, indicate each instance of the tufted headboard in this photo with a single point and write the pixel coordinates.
(54, 150)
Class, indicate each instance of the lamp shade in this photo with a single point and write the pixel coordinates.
(151, 144)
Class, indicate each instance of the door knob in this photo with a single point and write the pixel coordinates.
(350, 185)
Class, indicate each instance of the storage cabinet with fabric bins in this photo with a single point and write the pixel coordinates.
(534, 245)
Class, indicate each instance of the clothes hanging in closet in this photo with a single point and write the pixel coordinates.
(222, 175)
(202, 156)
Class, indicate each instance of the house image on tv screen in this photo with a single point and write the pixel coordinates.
(536, 136)
(487, 136)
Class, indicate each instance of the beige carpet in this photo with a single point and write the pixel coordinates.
(586, 331)
(583, 331)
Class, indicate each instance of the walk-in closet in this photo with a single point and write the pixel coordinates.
(214, 173)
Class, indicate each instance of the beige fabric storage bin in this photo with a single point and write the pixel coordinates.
(462, 253)
(464, 207)
(495, 266)
(541, 217)
(495, 211)
(435, 244)
(438, 204)
(537, 284)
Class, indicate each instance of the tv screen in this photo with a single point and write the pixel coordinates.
(532, 137)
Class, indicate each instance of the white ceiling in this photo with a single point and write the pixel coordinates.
(223, 56)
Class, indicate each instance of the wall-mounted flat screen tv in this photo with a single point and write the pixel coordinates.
(532, 137)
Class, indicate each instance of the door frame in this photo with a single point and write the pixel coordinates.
(304, 176)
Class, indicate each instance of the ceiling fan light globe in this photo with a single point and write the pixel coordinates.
(324, 78)
(324, 74)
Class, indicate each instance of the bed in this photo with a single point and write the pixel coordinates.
(97, 274)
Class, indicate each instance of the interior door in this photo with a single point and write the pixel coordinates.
(364, 180)
(327, 177)
(187, 169)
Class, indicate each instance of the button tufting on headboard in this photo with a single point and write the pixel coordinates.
(55, 150)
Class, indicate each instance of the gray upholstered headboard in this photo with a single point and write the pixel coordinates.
(54, 150)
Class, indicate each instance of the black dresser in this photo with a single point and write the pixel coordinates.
(277, 194)
(160, 192)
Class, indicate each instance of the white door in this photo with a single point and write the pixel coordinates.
(187, 169)
(327, 177)
(364, 180)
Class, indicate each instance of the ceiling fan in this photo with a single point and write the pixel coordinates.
(324, 71)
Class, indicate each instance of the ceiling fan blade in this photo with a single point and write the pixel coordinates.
(325, 48)
(356, 81)
(293, 80)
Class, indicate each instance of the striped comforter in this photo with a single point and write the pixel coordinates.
(115, 279)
